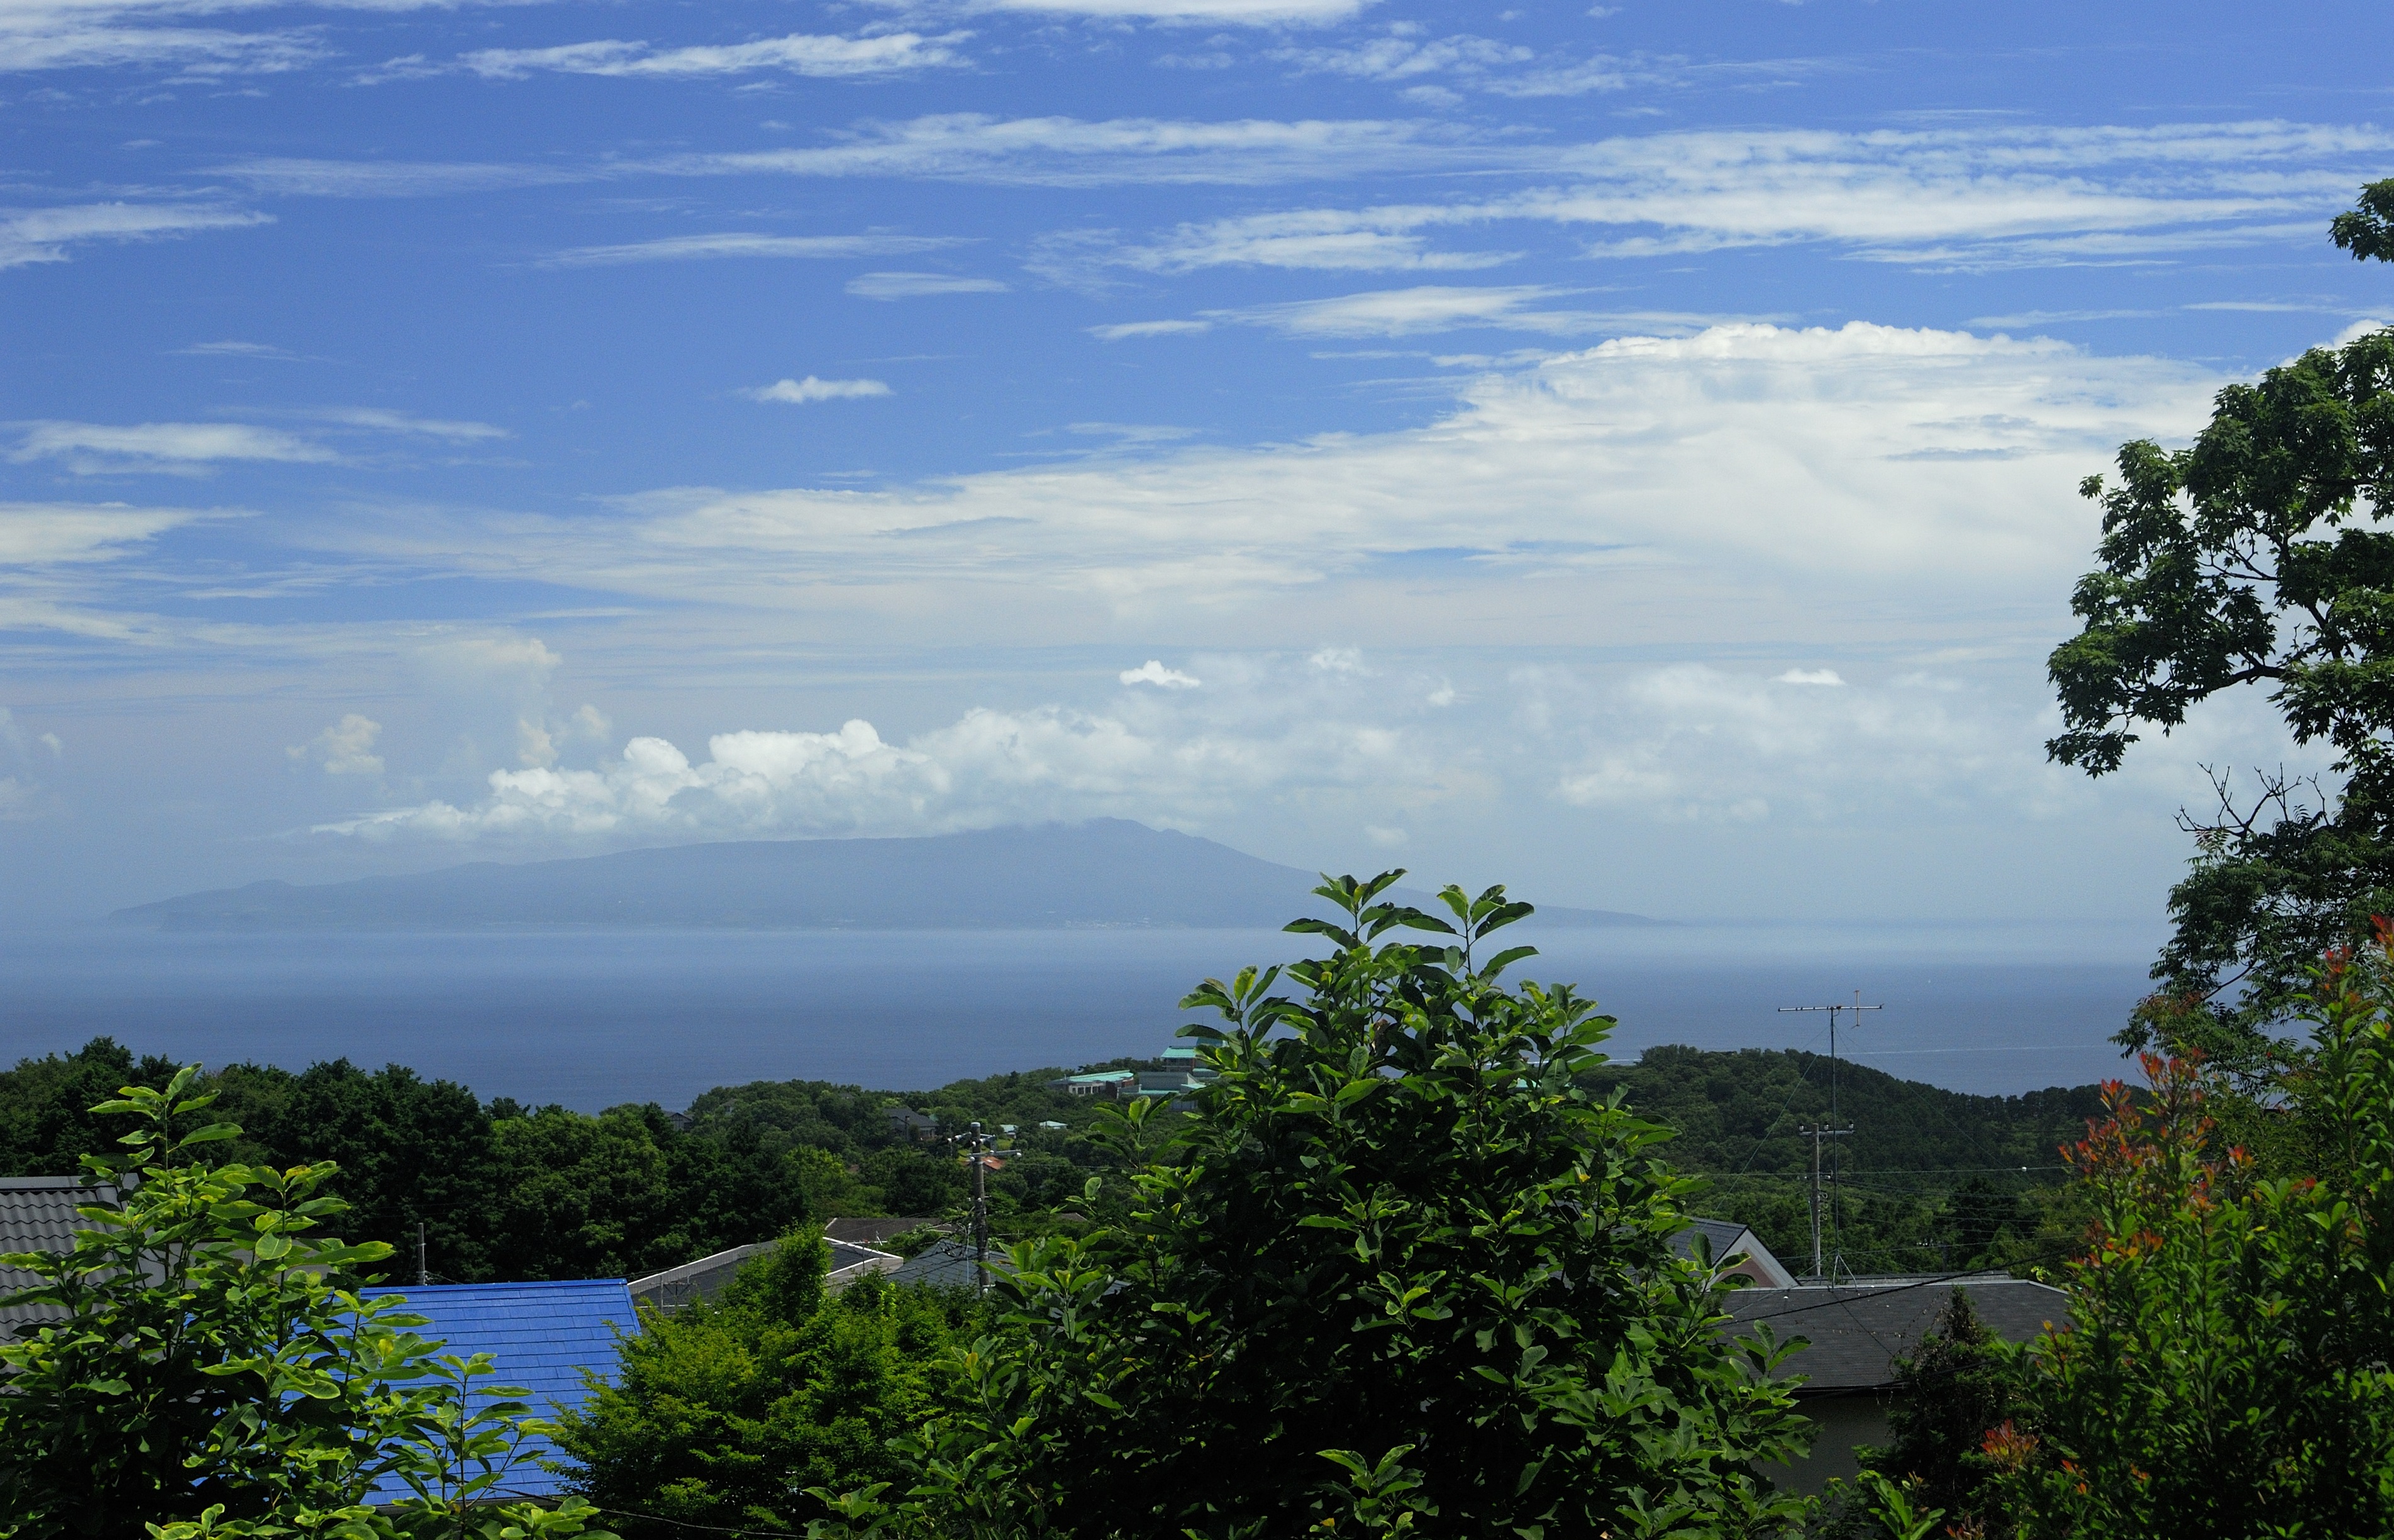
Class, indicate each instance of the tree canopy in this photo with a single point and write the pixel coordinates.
(2262, 554)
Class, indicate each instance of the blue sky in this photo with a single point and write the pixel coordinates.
(1630, 453)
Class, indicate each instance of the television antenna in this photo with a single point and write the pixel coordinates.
(1820, 1131)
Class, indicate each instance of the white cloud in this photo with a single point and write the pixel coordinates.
(1306, 239)
(345, 748)
(1121, 330)
(1079, 153)
(180, 447)
(1696, 744)
(912, 285)
(1154, 672)
(1964, 199)
(1252, 13)
(684, 248)
(1410, 312)
(1809, 676)
(1937, 462)
(37, 535)
(1402, 55)
(800, 53)
(812, 389)
(64, 34)
(49, 234)
(386, 421)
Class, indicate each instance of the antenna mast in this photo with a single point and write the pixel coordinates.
(1817, 1132)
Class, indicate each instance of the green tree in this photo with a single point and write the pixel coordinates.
(206, 1365)
(1958, 1386)
(2259, 555)
(2225, 1370)
(2367, 229)
(724, 1414)
(1398, 1268)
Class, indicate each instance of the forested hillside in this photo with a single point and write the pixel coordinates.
(1934, 1179)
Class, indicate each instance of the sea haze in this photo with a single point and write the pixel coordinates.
(593, 1017)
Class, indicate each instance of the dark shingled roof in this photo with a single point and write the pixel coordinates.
(38, 1214)
(948, 1265)
(1857, 1331)
(706, 1278)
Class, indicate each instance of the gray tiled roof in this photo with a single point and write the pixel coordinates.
(1857, 1331)
(38, 1214)
(706, 1278)
(948, 1265)
(1728, 1238)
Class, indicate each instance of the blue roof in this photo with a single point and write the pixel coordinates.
(540, 1335)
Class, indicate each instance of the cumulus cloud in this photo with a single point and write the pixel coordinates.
(1809, 676)
(1696, 744)
(912, 285)
(50, 234)
(1154, 672)
(1656, 747)
(345, 748)
(800, 53)
(800, 392)
(177, 448)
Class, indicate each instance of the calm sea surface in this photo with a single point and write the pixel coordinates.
(592, 1019)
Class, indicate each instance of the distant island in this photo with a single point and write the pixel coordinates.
(1103, 873)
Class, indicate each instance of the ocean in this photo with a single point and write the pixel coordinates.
(592, 1019)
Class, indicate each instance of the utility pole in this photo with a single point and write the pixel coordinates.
(981, 1153)
(423, 1274)
(1816, 1132)
(1821, 1131)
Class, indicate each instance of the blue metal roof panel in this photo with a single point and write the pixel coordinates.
(541, 1336)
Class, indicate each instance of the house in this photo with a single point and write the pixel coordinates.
(541, 1338)
(1096, 1083)
(909, 1124)
(1737, 1252)
(877, 1233)
(38, 1214)
(1855, 1331)
(677, 1287)
(950, 1265)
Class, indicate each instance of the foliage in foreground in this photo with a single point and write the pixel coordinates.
(723, 1413)
(1398, 1272)
(216, 1371)
(2226, 1373)
(2261, 554)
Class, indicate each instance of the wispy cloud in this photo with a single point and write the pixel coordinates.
(49, 234)
(687, 248)
(799, 53)
(382, 420)
(40, 534)
(1319, 240)
(800, 391)
(1412, 312)
(912, 285)
(1122, 330)
(1634, 456)
(1251, 13)
(302, 176)
(177, 448)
